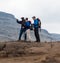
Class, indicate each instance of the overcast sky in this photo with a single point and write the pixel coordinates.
(47, 10)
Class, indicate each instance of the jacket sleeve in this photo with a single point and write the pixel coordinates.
(20, 22)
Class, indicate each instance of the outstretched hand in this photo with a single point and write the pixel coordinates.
(16, 19)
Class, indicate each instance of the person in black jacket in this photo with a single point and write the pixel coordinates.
(22, 30)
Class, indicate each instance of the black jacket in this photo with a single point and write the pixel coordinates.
(22, 23)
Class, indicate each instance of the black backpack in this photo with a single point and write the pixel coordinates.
(39, 24)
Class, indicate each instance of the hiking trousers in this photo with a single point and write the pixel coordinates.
(36, 32)
(21, 32)
(28, 34)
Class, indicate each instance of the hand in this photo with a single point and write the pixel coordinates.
(16, 19)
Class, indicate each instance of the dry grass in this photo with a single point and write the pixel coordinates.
(22, 52)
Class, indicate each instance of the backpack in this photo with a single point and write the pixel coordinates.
(39, 24)
(31, 27)
(27, 24)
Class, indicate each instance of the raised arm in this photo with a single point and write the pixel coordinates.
(20, 22)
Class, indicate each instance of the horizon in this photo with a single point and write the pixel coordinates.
(47, 11)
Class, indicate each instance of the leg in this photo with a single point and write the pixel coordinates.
(36, 32)
(21, 32)
(25, 36)
(28, 34)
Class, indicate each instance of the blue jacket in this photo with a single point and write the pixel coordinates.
(27, 24)
(36, 22)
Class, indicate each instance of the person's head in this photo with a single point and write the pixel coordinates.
(26, 19)
(22, 18)
(33, 17)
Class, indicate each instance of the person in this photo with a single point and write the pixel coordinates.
(39, 24)
(22, 30)
(27, 26)
(36, 29)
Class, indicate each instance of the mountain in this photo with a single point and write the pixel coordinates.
(9, 30)
(8, 27)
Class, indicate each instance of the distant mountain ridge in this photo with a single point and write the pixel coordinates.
(9, 30)
(3, 15)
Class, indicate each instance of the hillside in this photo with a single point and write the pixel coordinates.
(8, 27)
(27, 52)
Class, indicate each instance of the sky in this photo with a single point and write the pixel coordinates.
(47, 10)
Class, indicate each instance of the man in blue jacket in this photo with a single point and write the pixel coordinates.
(36, 29)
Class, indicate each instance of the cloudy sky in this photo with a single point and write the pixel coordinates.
(47, 10)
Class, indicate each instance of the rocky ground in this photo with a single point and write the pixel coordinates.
(29, 52)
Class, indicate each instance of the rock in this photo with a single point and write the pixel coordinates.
(2, 46)
(3, 54)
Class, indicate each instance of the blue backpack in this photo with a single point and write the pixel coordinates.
(27, 24)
